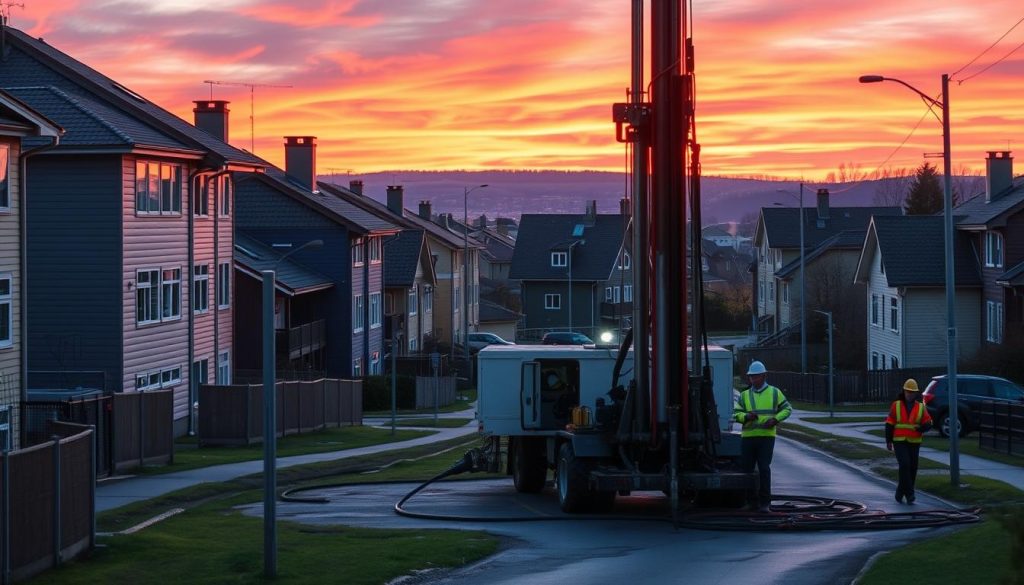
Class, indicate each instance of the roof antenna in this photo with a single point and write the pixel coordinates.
(252, 103)
(5, 16)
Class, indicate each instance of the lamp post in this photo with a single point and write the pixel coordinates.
(270, 417)
(947, 210)
(569, 262)
(465, 271)
(803, 286)
(831, 367)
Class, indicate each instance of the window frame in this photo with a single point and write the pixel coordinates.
(994, 247)
(224, 285)
(994, 321)
(170, 285)
(376, 310)
(785, 293)
(875, 310)
(894, 314)
(625, 261)
(376, 252)
(223, 373)
(5, 178)
(200, 288)
(7, 303)
(158, 189)
(358, 313)
(152, 302)
(226, 189)
(358, 253)
(552, 302)
(559, 259)
(412, 300)
(627, 293)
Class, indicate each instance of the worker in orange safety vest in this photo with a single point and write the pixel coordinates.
(908, 420)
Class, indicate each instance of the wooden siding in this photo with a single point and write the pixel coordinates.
(75, 287)
(375, 335)
(10, 263)
(925, 326)
(444, 311)
(359, 278)
(159, 242)
(881, 338)
(204, 323)
(585, 307)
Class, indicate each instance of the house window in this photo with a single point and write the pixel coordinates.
(154, 380)
(201, 288)
(627, 293)
(994, 322)
(375, 251)
(357, 368)
(881, 360)
(224, 285)
(608, 294)
(895, 362)
(771, 290)
(358, 316)
(157, 188)
(224, 186)
(201, 203)
(200, 373)
(6, 311)
(874, 310)
(357, 252)
(5, 184)
(894, 314)
(428, 299)
(625, 261)
(458, 301)
(874, 360)
(224, 368)
(412, 344)
(559, 259)
(170, 294)
(5, 427)
(147, 296)
(785, 293)
(375, 363)
(552, 301)
(993, 249)
(413, 298)
(375, 313)
(616, 295)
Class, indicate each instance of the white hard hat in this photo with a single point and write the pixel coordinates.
(755, 368)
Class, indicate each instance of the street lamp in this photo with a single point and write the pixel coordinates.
(831, 367)
(270, 416)
(465, 271)
(947, 210)
(803, 285)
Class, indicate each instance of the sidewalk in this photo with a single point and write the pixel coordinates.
(969, 464)
(119, 491)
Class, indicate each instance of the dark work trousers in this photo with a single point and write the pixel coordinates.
(907, 456)
(758, 451)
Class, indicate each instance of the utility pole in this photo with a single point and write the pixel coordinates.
(252, 103)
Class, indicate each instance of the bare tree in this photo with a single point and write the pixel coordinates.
(846, 173)
(891, 187)
(830, 288)
(966, 183)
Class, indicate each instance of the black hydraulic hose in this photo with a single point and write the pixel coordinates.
(627, 341)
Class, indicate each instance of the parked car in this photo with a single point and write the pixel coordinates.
(971, 390)
(478, 341)
(566, 338)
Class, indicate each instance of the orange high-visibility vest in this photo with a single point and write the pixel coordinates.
(904, 423)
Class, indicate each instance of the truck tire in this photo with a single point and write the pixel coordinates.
(529, 465)
(573, 493)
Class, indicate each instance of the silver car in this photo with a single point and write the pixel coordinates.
(478, 341)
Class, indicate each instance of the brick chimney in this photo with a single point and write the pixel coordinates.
(625, 209)
(396, 199)
(355, 186)
(211, 116)
(300, 160)
(590, 216)
(998, 174)
(425, 210)
(822, 204)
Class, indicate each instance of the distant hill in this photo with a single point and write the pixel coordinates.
(513, 193)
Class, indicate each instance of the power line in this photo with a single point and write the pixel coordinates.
(971, 62)
(252, 104)
(991, 65)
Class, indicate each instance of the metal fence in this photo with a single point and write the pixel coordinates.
(233, 415)
(1001, 427)
(856, 387)
(48, 504)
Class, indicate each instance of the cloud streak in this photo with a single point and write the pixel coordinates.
(477, 84)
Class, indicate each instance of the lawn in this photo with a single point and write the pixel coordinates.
(445, 423)
(966, 445)
(826, 420)
(815, 407)
(464, 401)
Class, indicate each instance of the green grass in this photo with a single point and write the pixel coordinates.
(843, 419)
(463, 401)
(446, 423)
(966, 446)
(814, 407)
(187, 455)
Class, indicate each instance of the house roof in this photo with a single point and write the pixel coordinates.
(976, 213)
(401, 257)
(782, 224)
(913, 252)
(353, 217)
(1012, 277)
(592, 259)
(291, 278)
(495, 313)
(17, 117)
(845, 240)
(97, 111)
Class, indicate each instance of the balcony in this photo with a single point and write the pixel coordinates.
(302, 340)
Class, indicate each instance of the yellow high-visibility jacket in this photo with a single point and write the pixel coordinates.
(768, 403)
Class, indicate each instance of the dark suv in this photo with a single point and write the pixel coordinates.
(566, 338)
(971, 390)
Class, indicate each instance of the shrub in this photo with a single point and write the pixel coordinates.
(377, 392)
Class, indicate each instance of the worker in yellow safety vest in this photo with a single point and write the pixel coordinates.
(908, 420)
(760, 409)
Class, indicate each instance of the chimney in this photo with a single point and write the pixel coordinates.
(591, 214)
(396, 199)
(300, 160)
(822, 204)
(482, 222)
(355, 186)
(502, 228)
(625, 209)
(425, 211)
(212, 117)
(998, 174)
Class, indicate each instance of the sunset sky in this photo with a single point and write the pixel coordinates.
(513, 84)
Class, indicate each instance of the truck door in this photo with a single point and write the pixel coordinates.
(529, 395)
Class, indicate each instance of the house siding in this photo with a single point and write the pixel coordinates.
(204, 323)
(584, 317)
(75, 285)
(925, 326)
(882, 340)
(375, 335)
(10, 264)
(445, 318)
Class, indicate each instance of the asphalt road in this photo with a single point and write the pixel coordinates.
(617, 550)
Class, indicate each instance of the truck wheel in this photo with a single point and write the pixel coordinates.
(603, 501)
(573, 494)
(529, 465)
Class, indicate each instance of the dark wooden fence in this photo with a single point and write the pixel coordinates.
(1001, 427)
(48, 496)
(857, 387)
(427, 387)
(132, 428)
(233, 415)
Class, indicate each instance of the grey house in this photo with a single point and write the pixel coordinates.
(279, 209)
(575, 273)
(902, 265)
(134, 213)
